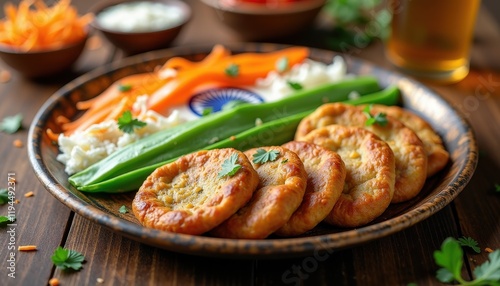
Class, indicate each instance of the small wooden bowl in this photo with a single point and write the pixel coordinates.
(255, 22)
(138, 42)
(42, 63)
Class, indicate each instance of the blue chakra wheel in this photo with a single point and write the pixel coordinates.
(216, 99)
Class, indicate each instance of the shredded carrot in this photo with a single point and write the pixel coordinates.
(114, 101)
(52, 135)
(175, 81)
(17, 143)
(489, 250)
(26, 247)
(29, 194)
(5, 76)
(33, 26)
(250, 67)
(54, 282)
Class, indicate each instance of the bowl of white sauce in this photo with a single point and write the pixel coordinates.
(137, 26)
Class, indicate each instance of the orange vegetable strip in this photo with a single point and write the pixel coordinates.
(112, 92)
(52, 135)
(86, 120)
(118, 110)
(251, 67)
(218, 53)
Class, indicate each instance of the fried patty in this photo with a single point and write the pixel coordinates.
(280, 192)
(437, 156)
(190, 196)
(411, 158)
(370, 173)
(325, 181)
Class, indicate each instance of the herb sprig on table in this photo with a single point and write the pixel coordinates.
(11, 124)
(450, 258)
(67, 259)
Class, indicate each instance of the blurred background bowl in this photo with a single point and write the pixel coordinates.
(255, 20)
(138, 42)
(43, 63)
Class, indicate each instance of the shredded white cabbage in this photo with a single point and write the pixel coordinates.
(84, 148)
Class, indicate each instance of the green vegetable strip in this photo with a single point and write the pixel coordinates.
(200, 133)
(271, 133)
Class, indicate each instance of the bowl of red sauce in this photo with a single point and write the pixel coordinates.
(255, 20)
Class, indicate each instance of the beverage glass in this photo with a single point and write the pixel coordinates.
(431, 39)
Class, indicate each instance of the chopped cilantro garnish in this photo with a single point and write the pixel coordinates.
(229, 166)
(4, 196)
(123, 210)
(67, 259)
(470, 242)
(294, 85)
(261, 156)
(207, 111)
(232, 70)
(11, 124)
(127, 124)
(124, 87)
(379, 118)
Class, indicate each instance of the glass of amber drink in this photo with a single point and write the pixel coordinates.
(431, 39)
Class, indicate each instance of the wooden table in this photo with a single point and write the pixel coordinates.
(399, 259)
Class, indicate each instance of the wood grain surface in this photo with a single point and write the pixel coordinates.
(403, 258)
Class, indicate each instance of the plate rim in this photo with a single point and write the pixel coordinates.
(242, 248)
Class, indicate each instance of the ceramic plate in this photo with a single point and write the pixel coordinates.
(438, 191)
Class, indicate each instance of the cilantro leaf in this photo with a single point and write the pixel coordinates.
(123, 210)
(4, 196)
(490, 270)
(294, 85)
(282, 64)
(11, 124)
(127, 124)
(450, 257)
(261, 156)
(207, 111)
(229, 166)
(5, 220)
(66, 259)
(232, 70)
(470, 242)
(124, 87)
(379, 118)
(497, 188)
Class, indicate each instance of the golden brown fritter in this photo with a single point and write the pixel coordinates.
(437, 156)
(280, 192)
(370, 178)
(325, 181)
(411, 158)
(189, 195)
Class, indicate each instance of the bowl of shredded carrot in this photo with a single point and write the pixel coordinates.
(41, 41)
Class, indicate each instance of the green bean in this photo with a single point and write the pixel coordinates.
(275, 132)
(200, 133)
